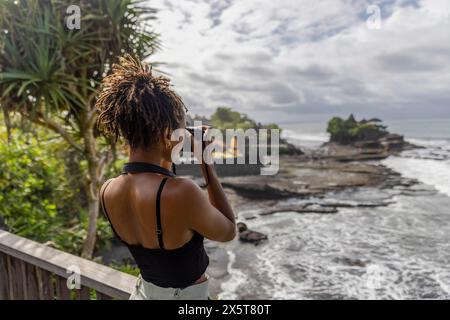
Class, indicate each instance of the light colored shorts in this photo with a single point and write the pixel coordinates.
(148, 291)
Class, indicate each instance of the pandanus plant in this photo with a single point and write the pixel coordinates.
(50, 73)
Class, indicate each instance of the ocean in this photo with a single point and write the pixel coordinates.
(401, 251)
(434, 135)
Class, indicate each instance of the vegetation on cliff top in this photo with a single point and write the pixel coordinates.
(226, 118)
(349, 131)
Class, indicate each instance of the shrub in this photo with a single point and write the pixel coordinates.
(31, 186)
(349, 130)
(39, 200)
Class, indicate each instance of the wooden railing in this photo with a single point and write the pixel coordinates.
(33, 271)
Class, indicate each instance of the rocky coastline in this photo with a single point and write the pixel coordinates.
(312, 174)
(306, 175)
(306, 184)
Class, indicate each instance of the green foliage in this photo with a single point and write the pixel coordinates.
(51, 75)
(338, 131)
(367, 131)
(127, 268)
(38, 200)
(272, 126)
(45, 65)
(349, 130)
(226, 118)
(72, 233)
(31, 185)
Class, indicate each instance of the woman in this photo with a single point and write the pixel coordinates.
(161, 218)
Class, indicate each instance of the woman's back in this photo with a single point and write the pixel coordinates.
(178, 265)
(130, 201)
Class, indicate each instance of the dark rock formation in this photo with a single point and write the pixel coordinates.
(324, 207)
(300, 177)
(308, 208)
(289, 149)
(368, 144)
(393, 142)
(352, 262)
(246, 235)
(259, 190)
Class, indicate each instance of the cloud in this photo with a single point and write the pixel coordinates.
(406, 62)
(284, 60)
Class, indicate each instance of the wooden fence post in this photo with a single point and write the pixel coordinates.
(3, 278)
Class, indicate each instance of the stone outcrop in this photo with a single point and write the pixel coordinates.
(246, 235)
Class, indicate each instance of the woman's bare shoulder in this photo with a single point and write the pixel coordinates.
(180, 186)
(111, 184)
(183, 191)
(106, 184)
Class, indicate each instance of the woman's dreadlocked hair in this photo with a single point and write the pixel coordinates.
(138, 105)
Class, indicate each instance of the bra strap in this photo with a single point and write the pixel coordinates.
(105, 212)
(158, 214)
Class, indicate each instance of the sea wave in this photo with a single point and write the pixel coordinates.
(365, 253)
(430, 165)
(303, 139)
(237, 278)
(432, 172)
(433, 143)
(320, 137)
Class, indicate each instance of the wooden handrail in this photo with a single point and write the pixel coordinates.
(106, 281)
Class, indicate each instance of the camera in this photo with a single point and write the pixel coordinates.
(192, 130)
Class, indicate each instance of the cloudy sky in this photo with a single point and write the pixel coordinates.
(300, 60)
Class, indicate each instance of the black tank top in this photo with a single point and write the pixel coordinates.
(175, 268)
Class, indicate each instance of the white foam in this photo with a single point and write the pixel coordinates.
(282, 286)
(319, 137)
(429, 142)
(445, 286)
(237, 278)
(432, 172)
(305, 139)
(378, 283)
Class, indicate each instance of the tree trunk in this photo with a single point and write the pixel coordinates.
(92, 187)
(89, 243)
(96, 164)
(8, 125)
